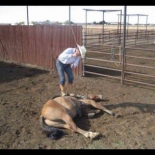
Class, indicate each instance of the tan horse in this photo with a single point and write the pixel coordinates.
(59, 112)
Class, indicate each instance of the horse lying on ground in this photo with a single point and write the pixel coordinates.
(59, 112)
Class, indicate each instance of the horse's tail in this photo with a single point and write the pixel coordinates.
(51, 132)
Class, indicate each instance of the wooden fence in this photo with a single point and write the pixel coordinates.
(38, 45)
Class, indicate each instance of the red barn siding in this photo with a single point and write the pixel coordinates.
(38, 45)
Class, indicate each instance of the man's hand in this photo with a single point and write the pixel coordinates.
(72, 65)
(74, 54)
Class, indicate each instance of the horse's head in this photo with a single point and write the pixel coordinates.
(96, 98)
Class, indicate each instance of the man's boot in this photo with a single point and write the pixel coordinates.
(63, 90)
(70, 90)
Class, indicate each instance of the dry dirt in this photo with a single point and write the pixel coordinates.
(23, 91)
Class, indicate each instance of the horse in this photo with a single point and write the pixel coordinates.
(59, 111)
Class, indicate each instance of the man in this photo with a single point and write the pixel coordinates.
(66, 61)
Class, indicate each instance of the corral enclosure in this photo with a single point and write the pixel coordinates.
(105, 55)
(24, 90)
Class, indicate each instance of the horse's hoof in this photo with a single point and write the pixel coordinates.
(113, 114)
(95, 136)
(110, 112)
(90, 115)
(72, 94)
(100, 97)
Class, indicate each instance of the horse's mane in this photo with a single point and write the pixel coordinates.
(55, 96)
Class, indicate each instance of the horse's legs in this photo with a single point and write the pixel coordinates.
(96, 105)
(92, 113)
(87, 134)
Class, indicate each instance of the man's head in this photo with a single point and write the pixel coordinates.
(77, 51)
(82, 50)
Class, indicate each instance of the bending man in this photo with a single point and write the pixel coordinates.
(67, 60)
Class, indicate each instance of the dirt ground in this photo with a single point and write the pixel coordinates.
(23, 91)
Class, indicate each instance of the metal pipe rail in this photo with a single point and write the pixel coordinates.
(139, 57)
(128, 64)
(103, 60)
(104, 43)
(145, 75)
(103, 67)
(133, 81)
(103, 75)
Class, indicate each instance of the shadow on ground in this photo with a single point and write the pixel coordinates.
(11, 71)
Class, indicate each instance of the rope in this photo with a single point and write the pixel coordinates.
(77, 44)
(73, 34)
(113, 55)
(112, 52)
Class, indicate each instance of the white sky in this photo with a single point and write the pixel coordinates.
(14, 14)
